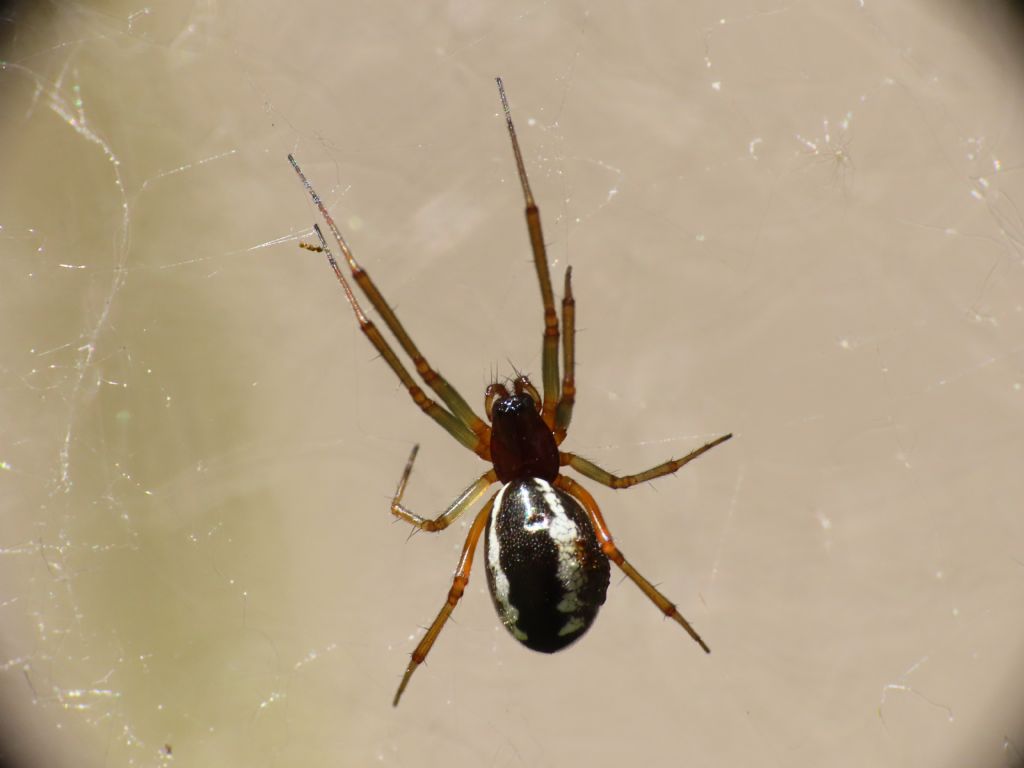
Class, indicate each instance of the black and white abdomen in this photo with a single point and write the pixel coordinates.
(547, 574)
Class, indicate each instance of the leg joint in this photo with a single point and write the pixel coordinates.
(458, 587)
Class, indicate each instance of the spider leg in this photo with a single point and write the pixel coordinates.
(604, 477)
(563, 412)
(540, 262)
(464, 501)
(613, 553)
(453, 426)
(459, 583)
(457, 406)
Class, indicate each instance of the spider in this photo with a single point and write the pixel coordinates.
(546, 545)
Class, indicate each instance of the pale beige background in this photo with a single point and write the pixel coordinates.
(796, 221)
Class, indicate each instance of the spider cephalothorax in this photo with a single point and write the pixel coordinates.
(522, 445)
(546, 543)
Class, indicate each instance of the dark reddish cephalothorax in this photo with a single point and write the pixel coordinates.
(546, 543)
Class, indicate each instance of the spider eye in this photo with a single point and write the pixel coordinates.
(492, 393)
(522, 384)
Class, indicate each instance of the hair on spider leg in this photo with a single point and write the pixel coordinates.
(547, 549)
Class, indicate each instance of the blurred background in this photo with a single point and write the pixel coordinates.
(798, 222)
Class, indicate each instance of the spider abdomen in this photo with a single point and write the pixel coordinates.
(546, 571)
